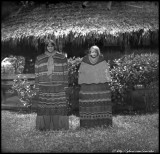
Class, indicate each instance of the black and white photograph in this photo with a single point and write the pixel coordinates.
(79, 76)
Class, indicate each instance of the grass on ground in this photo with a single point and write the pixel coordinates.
(128, 133)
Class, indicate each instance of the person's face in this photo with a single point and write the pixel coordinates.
(93, 53)
(50, 47)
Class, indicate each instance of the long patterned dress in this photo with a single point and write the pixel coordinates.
(52, 106)
(95, 96)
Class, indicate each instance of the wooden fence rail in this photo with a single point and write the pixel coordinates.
(7, 80)
(139, 98)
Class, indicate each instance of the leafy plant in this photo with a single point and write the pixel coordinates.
(72, 90)
(24, 90)
(132, 70)
(16, 65)
(73, 64)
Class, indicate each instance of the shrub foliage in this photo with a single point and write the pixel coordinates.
(127, 72)
(132, 70)
(73, 65)
(24, 90)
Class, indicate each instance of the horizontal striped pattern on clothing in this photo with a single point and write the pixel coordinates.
(56, 68)
(45, 78)
(60, 72)
(95, 103)
(101, 103)
(98, 116)
(94, 100)
(60, 94)
(43, 58)
(52, 101)
(94, 93)
(55, 64)
(51, 88)
(51, 79)
(52, 105)
(56, 60)
(98, 109)
(100, 87)
(65, 83)
(96, 96)
(88, 123)
(54, 73)
(52, 111)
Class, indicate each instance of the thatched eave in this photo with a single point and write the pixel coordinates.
(71, 20)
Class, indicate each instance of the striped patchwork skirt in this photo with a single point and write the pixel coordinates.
(52, 108)
(95, 105)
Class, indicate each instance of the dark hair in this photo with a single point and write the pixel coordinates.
(46, 44)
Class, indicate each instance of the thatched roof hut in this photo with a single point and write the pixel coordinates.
(70, 23)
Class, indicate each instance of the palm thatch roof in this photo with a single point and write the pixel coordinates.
(71, 22)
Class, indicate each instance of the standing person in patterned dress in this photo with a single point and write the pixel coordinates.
(95, 96)
(51, 71)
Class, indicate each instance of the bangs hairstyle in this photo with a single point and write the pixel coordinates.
(53, 44)
(96, 48)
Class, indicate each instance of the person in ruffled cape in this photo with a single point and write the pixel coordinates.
(51, 70)
(95, 105)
